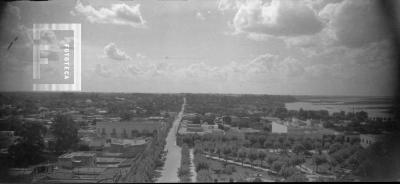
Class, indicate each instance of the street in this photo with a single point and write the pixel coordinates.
(169, 172)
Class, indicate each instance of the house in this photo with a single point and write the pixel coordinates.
(210, 127)
(76, 159)
(367, 140)
(194, 128)
(348, 137)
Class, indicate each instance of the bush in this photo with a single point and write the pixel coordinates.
(296, 178)
(204, 176)
(287, 171)
(229, 169)
(277, 165)
(184, 170)
(202, 166)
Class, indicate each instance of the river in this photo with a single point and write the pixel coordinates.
(374, 106)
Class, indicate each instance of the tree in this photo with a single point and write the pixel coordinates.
(319, 160)
(126, 115)
(29, 146)
(261, 156)
(252, 156)
(202, 166)
(380, 161)
(204, 176)
(271, 159)
(296, 178)
(287, 171)
(226, 151)
(277, 165)
(66, 132)
(219, 151)
(332, 163)
(268, 143)
(298, 148)
(296, 160)
(242, 155)
(334, 147)
(361, 116)
(196, 120)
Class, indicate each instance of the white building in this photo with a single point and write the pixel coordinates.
(279, 128)
(296, 129)
(367, 140)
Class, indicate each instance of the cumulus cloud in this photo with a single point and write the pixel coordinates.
(375, 55)
(318, 5)
(312, 26)
(349, 23)
(265, 73)
(111, 51)
(355, 35)
(262, 68)
(278, 18)
(357, 23)
(224, 5)
(120, 14)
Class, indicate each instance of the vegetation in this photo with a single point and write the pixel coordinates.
(380, 162)
(66, 132)
(143, 169)
(235, 104)
(184, 171)
(292, 151)
(29, 146)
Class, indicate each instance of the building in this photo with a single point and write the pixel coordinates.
(367, 140)
(278, 127)
(76, 159)
(194, 128)
(129, 129)
(349, 137)
(208, 127)
(296, 128)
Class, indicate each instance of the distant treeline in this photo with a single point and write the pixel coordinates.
(235, 104)
(114, 103)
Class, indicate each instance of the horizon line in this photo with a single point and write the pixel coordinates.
(216, 93)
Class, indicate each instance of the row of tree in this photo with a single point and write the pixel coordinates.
(184, 171)
(143, 169)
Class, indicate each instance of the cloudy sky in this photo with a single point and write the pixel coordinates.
(266, 47)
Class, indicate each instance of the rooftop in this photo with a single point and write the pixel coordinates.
(77, 154)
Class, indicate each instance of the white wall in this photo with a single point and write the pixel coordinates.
(279, 128)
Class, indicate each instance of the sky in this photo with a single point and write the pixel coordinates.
(286, 47)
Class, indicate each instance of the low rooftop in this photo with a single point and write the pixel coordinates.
(77, 154)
